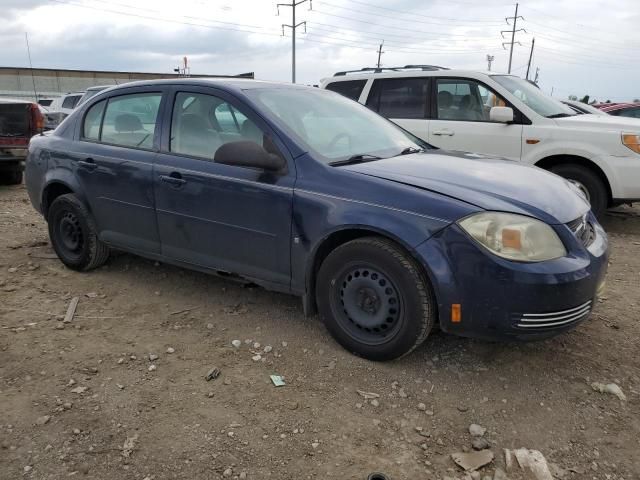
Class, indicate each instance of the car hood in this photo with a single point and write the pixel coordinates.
(483, 181)
(608, 122)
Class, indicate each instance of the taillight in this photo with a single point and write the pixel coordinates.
(37, 119)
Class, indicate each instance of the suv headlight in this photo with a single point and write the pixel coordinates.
(631, 141)
(515, 237)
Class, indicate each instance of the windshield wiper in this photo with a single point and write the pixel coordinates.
(560, 115)
(359, 158)
(409, 150)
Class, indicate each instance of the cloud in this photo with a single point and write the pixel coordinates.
(584, 48)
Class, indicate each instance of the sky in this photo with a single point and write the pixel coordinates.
(581, 46)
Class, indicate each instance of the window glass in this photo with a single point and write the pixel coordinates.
(465, 100)
(399, 97)
(332, 126)
(130, 120)
(202, 123)
(92, 120)
(627, 112)
(70, 101)
(350, 89)
(229, 119)
(533, 98)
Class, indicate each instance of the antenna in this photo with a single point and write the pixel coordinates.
(33, 78)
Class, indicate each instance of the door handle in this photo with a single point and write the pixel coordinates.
(442, 133)
(88, 163)
(174, 178)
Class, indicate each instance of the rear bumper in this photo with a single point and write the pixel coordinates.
(503, 300)
(12, 158)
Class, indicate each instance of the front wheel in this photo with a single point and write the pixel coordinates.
(589, 184)
(374, 299)
(73, 234)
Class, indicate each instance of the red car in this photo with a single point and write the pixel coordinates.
(631, 110)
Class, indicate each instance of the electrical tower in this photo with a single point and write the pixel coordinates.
(513, 35)
(293, 28)
(490, 59)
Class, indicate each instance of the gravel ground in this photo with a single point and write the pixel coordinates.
(83, 398)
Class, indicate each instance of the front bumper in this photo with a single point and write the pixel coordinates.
(504, 300)
(624, 175)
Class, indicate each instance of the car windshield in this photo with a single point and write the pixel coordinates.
(334, 127)
(533, 98)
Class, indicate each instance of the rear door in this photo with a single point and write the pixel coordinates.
(113, 160)
(403, 101)
(224, 217)
(460, 120)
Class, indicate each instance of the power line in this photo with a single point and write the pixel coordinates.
(379, 24)
(414, 14)
(413, 20)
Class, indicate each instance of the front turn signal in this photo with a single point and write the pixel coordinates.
(631, 141)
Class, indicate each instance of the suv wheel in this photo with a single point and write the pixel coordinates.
(73, 234)
(374, 300)
(588, 182)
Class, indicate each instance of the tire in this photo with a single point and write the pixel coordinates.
(13, 177)
(73, 235)
(590, 181)
(374, 300)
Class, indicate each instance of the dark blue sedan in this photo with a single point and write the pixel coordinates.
(303, 191)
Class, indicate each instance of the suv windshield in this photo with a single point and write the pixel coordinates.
(332, 126)
(533, 98)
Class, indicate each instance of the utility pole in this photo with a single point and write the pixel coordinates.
(490, 61)
(293, 28)
(380, 52)
(513, 35)
(533, 42)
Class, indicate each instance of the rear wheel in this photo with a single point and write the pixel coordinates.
(73, 234)
(589, 184)
(374, 300)
(12, 177)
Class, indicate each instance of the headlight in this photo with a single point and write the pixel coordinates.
(631, 141)
(514, 237)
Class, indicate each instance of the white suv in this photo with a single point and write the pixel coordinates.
(505, 116)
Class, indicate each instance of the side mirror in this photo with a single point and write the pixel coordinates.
(501, 114)
(249, 154)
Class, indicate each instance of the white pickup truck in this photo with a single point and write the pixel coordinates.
(506, 116)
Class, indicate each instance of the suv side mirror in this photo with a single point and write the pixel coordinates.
(245, 153)
(501, 114)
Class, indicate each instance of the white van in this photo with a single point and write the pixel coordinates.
(506, 116)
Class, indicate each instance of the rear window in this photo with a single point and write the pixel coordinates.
(350, 88)
(71, 101)
(399, 97)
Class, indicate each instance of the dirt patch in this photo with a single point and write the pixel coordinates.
(114, 413)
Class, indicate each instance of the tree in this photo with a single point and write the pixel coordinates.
(636, 100)
(573, 97)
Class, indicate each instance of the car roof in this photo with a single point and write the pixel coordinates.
(231, 84)
(611, 107)
(355, 75)
(14, 100)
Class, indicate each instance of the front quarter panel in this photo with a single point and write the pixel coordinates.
(328, 200)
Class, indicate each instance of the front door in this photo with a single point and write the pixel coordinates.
(113, 162)
(461, 120)
(229, 218)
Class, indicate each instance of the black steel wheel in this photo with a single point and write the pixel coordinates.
(73, 234)
(374, 299)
